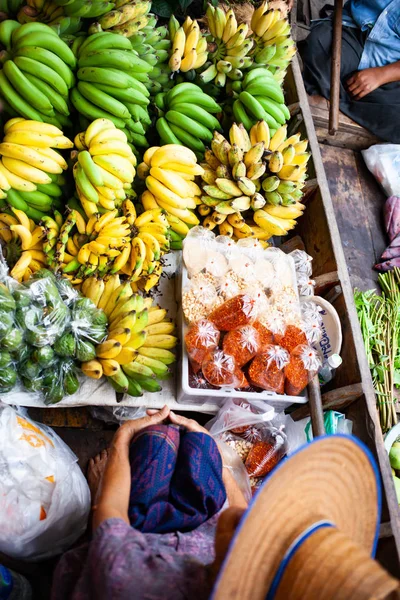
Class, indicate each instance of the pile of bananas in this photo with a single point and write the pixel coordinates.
(138, 347)
(30, 167)
(169, 172)
(76, 8)
(189, 47)
(259, 97)
(273, 45)
(22, 244)
(188, 117)
(153, 45)
(230, 47)
(47, 11)
(36, 80)
(127, 17)
(241, 180)
(105, 167)
(129, 244)
(111, 84)
(9, 8)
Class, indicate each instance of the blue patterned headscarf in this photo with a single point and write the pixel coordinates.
(176, 479)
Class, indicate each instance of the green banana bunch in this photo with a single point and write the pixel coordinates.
(187, 117)
(232, 47)
(77, 8)
(152, 45)
(35, 82)
(273, 45)
(259, 97)
(127, 18)
(9, 8)
(111, 85)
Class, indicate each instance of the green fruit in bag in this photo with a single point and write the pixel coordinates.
(71, 383)
(43, 274)
(65, 345)
(54, 394)
(394, 456)
(396, 482)
(48, 378)
(5, 359)
(30, 369)
(7, 301)
(23, 353)
(8, 378)
(85, 351)
(19, 316)
(44, 356)
(99, 318)
(33, 385)
(6, 323)
(14, 340)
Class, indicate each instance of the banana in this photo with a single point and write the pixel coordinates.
(93, 369)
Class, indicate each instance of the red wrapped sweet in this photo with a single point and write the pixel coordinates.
(200, 339)
(242, 343)
(266, 453)
(220, 370)
(304, 363)
(266, 336)
(266, 369)
(292, 337)
(234, 313)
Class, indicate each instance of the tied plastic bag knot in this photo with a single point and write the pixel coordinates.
(310, 358)
(302, 262)
(276, 354)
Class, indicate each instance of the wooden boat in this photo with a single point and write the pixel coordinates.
(351, 390)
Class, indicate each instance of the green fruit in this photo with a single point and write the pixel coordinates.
(7, 301)
(65, 345)
(44, 356)
(47, 378)
(8, 378)
(54, 394)
(394, 456)
(30, 369)
(85, 351)
(71, 383)
(99, 318)
(33, 385)
(14, 340)
(22, 353)
(5, 359)
(396, 482)
(44, 273)
(6, 324)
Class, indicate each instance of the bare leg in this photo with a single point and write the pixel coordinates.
(95, 474)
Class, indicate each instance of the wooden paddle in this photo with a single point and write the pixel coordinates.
(335, 68)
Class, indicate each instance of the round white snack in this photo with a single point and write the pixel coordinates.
(194, 256)
(265, 272)
(244, 267)
(216, 264)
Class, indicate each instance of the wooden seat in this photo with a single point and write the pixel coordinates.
(349, 135)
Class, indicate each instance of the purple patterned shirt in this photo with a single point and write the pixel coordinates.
(121, 563)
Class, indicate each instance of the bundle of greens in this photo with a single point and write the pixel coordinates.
(379, 317)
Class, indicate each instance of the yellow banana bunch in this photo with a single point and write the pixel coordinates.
(232, 47)
(127, 18)
(137, 350)
(29, 158)
(189, 47)
(169, 172)
(105, 167)
(273, 44)
(252, 183)
(22, 243)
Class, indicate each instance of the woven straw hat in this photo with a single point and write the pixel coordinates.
(311, 531)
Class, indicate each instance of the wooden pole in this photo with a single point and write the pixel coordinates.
(316, 410)
(335, 68)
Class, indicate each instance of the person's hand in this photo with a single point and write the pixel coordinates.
(189, 424)
(126, 432)
(364, 82)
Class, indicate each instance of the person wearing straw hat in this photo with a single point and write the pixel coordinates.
(310, 533)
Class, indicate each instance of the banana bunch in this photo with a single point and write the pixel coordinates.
(47, 11)
(77, 8)
(241, 180)
(35, 82)
(232, 47)
(153, 45)
(137, 350)
(105, 167)
(111, 86)
(130, 245)
(9, 8)
(127, 18)
(30, 168)
(189, 47)
(188, 117)
(22, 244)
(169, 172)
(273, 45)
(259, 97)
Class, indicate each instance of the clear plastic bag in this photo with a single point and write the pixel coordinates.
(238, 416)
(383, 160)
(242, 344)
(220, 370)
(266, 370)
(303, 365)
(231, 460)
(201, 338)
(300, 432)
(117, 414)
(44, 497)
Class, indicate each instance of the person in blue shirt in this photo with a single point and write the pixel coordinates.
(370, 66)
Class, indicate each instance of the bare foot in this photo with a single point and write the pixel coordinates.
(95, 473)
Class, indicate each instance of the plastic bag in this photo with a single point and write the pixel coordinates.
(201, 338)
(117, 414)
(300, 432)
(232, 461)
(237, 416)
(220, 370)
(236, 312)
(242, 344)
(383, 160)
(266, 369)
(303, 365)
(266, 453)
(44, 497)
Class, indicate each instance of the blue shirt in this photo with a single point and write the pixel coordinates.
(381, 18)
